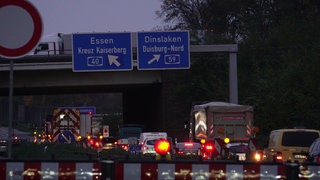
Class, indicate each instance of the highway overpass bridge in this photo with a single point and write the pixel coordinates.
(143, 92)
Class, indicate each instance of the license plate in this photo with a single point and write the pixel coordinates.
(241, 156)
(300, 156)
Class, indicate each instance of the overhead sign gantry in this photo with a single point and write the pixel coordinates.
(113, 51)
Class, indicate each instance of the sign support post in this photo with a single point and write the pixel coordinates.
(26, 32)
(10, 109)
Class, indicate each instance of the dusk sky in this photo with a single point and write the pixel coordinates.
(70, 16)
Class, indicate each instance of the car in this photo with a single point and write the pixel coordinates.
(238, 151)
(314, 151)
(192, 149)
(108, 143)
(93, 142)
(147, 147)
(290, 145)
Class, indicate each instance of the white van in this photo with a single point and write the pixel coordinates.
(148, 139)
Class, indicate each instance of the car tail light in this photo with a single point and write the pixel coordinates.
(97, 144)
(124, 147)
(91, 141)
(144, 148)
(278, 157)
(180, 152)
(209, 147)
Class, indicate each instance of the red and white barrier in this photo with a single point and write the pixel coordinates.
(154, 170)
(50, 170)
(198, 171)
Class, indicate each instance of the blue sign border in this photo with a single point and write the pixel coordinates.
(164, 50)
(102, 52)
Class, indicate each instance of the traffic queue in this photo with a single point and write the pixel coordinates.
(217, 131)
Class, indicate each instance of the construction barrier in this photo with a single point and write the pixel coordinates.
(215, 170)
(156, 170)
(50, 170)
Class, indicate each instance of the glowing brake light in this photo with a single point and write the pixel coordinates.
(209, 147)
(279, 156)
(188, 144)
(91, 141)
(97, 144)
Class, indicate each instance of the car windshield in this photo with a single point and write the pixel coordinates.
(151, 142)
(299, 138)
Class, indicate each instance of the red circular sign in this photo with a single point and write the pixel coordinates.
(37, 29)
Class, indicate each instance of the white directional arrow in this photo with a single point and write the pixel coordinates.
(68, 139)
(156, 57)
(113, 60)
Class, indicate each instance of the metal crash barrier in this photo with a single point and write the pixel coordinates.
(136, 170)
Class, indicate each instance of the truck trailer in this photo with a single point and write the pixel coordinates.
(222, 123)
(221, 120)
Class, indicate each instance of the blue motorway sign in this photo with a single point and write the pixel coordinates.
(163, 50)
(134, 149)
(101, 52)
(66, 137)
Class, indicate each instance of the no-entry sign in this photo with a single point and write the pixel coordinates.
(21, 28)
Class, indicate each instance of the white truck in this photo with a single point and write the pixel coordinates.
(218, 121)
(54, 44)
(69, 124)
(148, 139)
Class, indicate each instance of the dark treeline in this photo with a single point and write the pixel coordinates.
(278, 57)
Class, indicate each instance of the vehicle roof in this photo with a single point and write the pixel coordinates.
(187, 142)
(223, 107)
(237, 144)
(298, 129)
